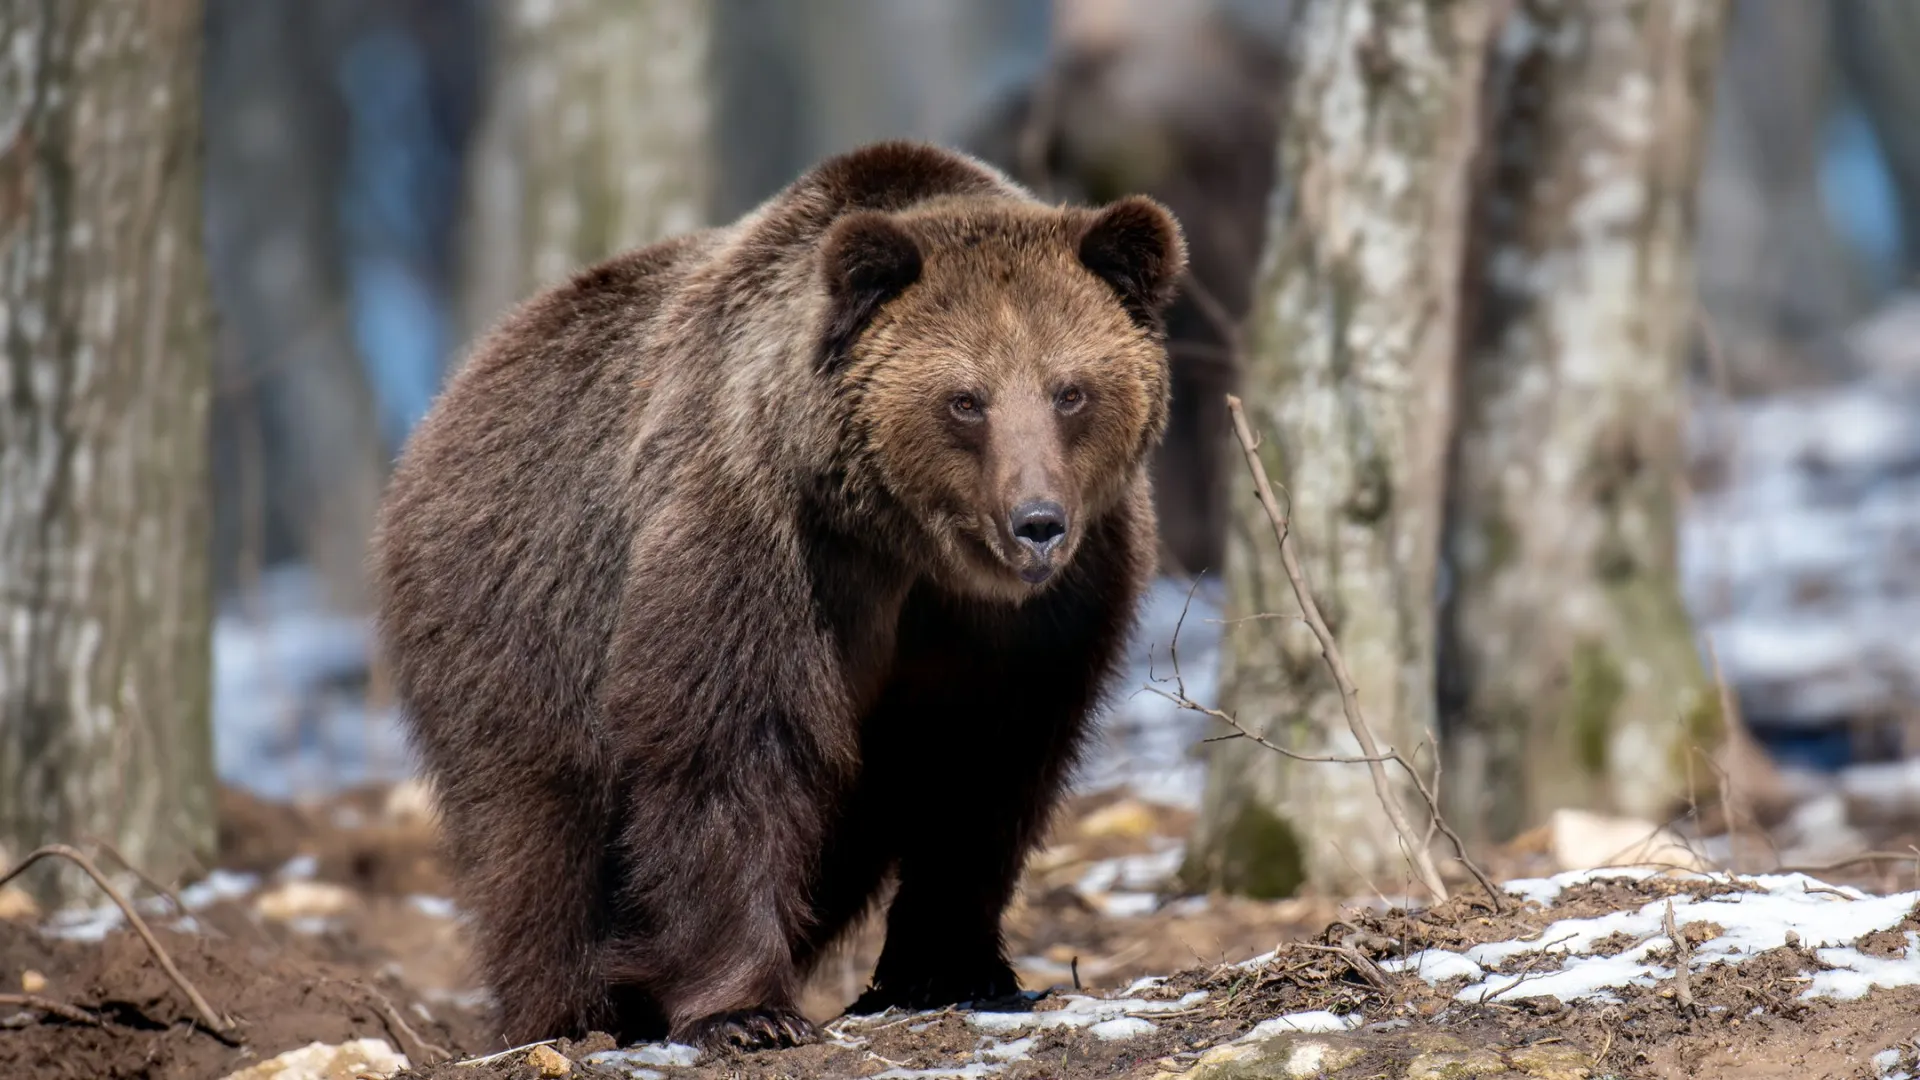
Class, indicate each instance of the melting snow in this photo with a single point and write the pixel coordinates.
(1316, 1022)
(1080, 1012)
(632, 1060)
(1121, 1027)
(1822, 917)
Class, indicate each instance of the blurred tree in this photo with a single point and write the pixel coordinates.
(598, 139)
(1348, 380)
(104, 662)
(1570, 671)
(1876, 40)
(800, 81)
(1774, 271)
(299, 460)
(1175, 99)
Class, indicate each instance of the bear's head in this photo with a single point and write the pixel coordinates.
(1004, 370)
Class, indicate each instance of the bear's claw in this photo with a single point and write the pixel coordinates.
(751, 1029)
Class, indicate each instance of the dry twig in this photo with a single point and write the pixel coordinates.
(52, 1008)
(1682, 960)
(1417, 854)
(508, 1052)
(1330, 652)
(214, 1021)
(429, 1052)
(145, 879)
(1357, 960)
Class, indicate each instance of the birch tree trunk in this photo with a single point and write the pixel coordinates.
(104, 609)
(1348, 379)
(1572, 675)
(598, 140)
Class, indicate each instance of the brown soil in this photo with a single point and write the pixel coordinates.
(377, 962)
(279, 994)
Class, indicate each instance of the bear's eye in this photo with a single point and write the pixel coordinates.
(965, 406)
(1070, 400)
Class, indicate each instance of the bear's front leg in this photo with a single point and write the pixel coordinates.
(944, 945)
(713, 902)
(733, 748)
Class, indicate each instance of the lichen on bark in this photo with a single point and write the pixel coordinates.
(1351, 347)
(1570, 671)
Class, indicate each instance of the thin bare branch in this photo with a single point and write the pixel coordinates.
(429, 1053)
(1682, 960)
(214, 1021)
(52, 1008)
(145, 879)
(1330, 651)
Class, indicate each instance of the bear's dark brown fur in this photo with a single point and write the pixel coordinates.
(745, 571)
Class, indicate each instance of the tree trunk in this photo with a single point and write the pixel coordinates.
(294, 418)
(598, 140)
(1348, 380)
(1774, 271)
(1572, 675)
(104, 633)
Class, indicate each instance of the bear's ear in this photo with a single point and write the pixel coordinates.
(1134, 245)
(868, 260)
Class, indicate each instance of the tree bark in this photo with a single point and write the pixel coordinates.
(598, 139)
(1571, 674)
(104, 609)
(1348, 379)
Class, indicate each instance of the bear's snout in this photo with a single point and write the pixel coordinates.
(1039, 528)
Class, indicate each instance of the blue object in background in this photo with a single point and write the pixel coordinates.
(1859, 194)
(401, 183)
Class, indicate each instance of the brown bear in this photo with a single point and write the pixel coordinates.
(746, 572)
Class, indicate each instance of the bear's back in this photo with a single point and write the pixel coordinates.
(507, 523)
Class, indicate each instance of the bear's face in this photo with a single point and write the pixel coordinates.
(1005, 372)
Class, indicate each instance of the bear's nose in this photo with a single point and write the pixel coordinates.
(1038, 525)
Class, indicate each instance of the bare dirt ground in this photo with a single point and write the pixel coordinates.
(328, 924)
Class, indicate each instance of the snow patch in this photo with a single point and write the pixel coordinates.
(1777, 907)
(1122, 1027)
(1080, 1012)
(965, 1072)
(1314, 1022)
(633, 1059)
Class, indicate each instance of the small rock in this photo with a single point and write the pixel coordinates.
(1128, 819)
(1444, 1066)
(1316, 1057)
(410, 802)
(32, 982)
(1552, 1062)
(1285, 1057)
(1585, 841)
(548, 1062)
(304, 900)
(320, 1061)
(16, 904)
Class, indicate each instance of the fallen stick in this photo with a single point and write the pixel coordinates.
(52, 1008)
(214, 1021)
